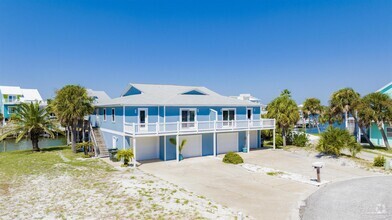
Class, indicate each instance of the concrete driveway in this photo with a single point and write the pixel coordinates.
(256, 195)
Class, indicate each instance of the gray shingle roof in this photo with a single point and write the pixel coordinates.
(172, 95)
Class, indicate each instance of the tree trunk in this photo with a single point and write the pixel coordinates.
(384, 137)
(364, 132)
(68, 135)
(73, 138)
(34, 141)
(304, 124)
(284, 137)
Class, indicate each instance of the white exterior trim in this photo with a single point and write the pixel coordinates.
(112, 131)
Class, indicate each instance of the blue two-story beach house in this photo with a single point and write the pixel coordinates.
(147, 116)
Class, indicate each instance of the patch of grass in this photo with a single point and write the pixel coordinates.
(378, 148)
(275, 173)
(48, 161)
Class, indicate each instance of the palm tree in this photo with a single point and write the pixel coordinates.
(182, 144)
(377, 107)
(312, 107)
(285, 111)
(345, 101)
(71, 105)
(32, 121)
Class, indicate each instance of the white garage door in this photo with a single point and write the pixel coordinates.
(227, 142)
(147, 148)
(253, 139)
(193, 146)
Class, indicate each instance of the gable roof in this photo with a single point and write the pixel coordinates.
(100, 96)
(11, 90)
(173, 95)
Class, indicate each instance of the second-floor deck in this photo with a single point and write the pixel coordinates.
(167, 128)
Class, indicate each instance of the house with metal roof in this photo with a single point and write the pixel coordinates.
(12, 96)
(374, 133)
(147, 116)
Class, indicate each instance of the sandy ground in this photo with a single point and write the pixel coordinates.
(113, 194)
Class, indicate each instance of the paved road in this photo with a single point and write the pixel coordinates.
(364, 198)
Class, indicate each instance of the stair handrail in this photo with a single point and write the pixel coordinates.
(94, 140)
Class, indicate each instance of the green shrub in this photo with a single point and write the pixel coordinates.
(333, 140)
(354, 148)
(233, 158)
(379, 161)
(278, 140)
(300, 139)
(126, 155)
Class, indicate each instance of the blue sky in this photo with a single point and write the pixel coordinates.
(261, 47)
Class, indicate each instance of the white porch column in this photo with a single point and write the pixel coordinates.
(178, 148)
(124, 142)
(248, 140)
(214, 144)
(274, 139)
(134, 151)
(164, 148)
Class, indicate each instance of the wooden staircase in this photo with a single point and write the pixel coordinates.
(102, 150)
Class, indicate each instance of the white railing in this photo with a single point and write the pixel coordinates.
(197, 126)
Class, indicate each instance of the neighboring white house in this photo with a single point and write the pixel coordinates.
(11, 96)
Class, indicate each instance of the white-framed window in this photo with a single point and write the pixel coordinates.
(188, 117)
(12, 98)
(389, 132)
(113, 115)
(228, 116)
(104, 114)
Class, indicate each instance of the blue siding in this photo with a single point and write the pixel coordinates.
(117, 124)
(132, 91)
(241, 140)
(108, 137)
(131, 114)
(170, 149)
(207, 144)
(161, 148)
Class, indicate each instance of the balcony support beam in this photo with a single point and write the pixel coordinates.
(273, 139)
(134, 151)
(178, 148)
(214, 144)
(164, 148)
(248, 141)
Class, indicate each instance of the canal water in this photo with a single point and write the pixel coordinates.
(25, 144)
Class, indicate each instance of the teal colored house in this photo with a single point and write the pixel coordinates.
(12, 96)
(146, 116)
(374, 133)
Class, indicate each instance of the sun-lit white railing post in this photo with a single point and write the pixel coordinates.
(197, 126)
(178, 127)
(156, 127)
(134, 128)
(214, 125)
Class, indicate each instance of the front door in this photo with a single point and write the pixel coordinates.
(143, 119)
(228, 117)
